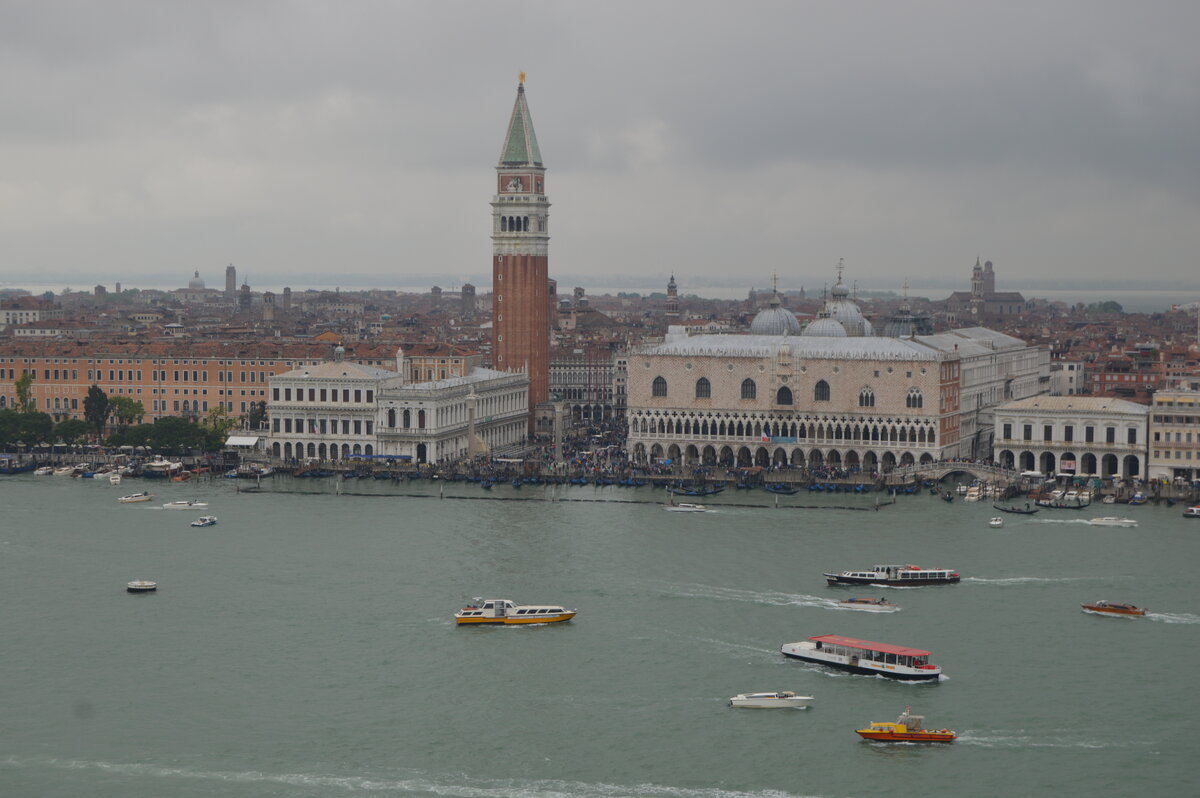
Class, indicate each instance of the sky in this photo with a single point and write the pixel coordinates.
(355, 143)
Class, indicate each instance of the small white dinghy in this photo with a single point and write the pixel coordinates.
(996, 522)
(783, 699)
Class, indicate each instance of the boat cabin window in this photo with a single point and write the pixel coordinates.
(488, 606)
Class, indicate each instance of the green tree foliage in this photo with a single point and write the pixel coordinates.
(96, 408)
(29, 427)
(24, 388)
(218, 420)
(169, 435)
(257, 415)
(1105, 307)
(71, 431)
(126, 410)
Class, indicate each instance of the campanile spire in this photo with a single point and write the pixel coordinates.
(520, 250)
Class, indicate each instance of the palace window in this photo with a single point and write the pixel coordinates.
(703, 388)
(783, 396)
(821, 391)
(658, 387)
(866, 398)
(749, 389)
(914, 399)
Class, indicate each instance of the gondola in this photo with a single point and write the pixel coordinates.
(781, 489)
(1027, 510)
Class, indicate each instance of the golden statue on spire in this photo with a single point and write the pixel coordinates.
(521, 78)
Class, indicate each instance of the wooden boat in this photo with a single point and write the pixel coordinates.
(868, 605)
(908, 728)
(1027, 510)
(503, 611)
(1113, 608)
(783, 699)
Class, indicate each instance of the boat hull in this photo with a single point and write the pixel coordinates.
(907, 737)
(852, 605)
(1113, 612)
(513, 621)
(769, 703)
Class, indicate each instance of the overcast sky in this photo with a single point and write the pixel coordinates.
(310, 142)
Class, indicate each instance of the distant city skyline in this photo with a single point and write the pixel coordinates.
(302, 140)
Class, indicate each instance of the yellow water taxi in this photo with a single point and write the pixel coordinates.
(496, 611)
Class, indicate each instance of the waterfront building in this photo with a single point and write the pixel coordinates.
(836, 395)
(522, 306)
(1073, 435)
(585, 378)
(335, 409)
(26, 309)
(1175, 435)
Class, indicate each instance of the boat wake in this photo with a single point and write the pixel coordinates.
(774, 599)
(1020, 740)
(416, 784)
(1023, 580)
(1173, 617)
(1083, 521)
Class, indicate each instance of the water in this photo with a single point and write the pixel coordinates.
(305, 647)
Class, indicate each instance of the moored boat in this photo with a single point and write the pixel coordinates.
(684, 507)
(782, 699)
(908, 728)
(44, 471)
(894, 576)
(186, 504)
(503, 611)
(205, 520)
(868, 605)
(161, 469)
(1113, 608)
(1112, 520)
(865, 657)
(132, 498)
(1192, 512)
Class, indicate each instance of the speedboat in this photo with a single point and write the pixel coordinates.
(1109, 499)
(114, 478)
(64, 471)
(44, 471)
(780, 700)
(1192, 512)
(1138, 498)
(1112, 520)
(141, 586)
(996, 522)
(136, 497)
(497, 611)
(1113, 608)
(186, 504)
(895, 576)
(205, 520)
(908, 728)
(684, 507)
(868, 605)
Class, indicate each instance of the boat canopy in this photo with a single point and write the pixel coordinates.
(885, 648)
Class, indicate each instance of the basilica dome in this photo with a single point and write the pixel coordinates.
(775, 320)
(825, 327)
(196, 284)
(842, 309)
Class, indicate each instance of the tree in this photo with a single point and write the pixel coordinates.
(173, 433)
(126, 410)
(96, 408)
(24, 387)
(257, 415)
(71, 430)
(29, 428)
(218, 420)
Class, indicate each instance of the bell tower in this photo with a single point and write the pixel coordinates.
(520, 247)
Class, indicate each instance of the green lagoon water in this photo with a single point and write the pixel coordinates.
(305, 646)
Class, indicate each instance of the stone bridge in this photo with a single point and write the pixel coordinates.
(938, 471)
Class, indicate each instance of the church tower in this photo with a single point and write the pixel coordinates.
(520, 247)
(672, 309)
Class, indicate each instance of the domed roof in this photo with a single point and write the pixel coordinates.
(825, 327)
(775, 320)
(196, 284)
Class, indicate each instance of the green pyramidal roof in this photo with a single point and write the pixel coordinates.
(520, 145)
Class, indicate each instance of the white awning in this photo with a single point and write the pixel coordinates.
(242, 440)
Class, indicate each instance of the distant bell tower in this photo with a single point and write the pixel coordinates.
(672, 309)
(230, 281)
(520, 247)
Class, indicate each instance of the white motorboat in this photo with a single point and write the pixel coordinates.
(136, 497)
(1109, 499)
(114, 478)
(187, 504)
(684, 507)
(782, 699)
(65, 471)
(205, 520)
(1112, 520)
(973, 494)
(868, 605)
(996, 522)
(44, 471)
(488, 611)
(141, 586)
